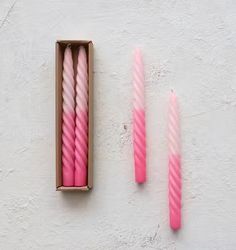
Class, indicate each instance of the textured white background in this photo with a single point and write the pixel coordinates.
(189, 46)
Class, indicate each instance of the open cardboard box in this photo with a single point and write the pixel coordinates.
(60, 47)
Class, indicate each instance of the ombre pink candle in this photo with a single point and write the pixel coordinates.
(139, 130)
(174, 164)
(81, 128)
(68, 120)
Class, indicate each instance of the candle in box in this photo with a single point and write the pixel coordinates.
(81, 128)
(68, 122)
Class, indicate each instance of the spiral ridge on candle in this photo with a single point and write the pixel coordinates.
(81, 128)
(68, 122)
(174, 165)
(139, 130)
(138, 80)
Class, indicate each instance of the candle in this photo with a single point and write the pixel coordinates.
(68, 119)
(81, 128)
(139, 132)
(174, 164)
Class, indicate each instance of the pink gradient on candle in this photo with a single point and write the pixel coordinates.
(174, 164)
(139, 145)
(81, 128)
(68, 120)
(139, 130)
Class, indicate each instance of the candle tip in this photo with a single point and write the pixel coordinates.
(173, 97)
(137, 51)
(82, 53)
(138, 55)
(81, 48)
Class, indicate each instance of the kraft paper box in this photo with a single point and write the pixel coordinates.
(60, 48)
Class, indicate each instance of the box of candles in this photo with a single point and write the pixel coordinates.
(74, 115)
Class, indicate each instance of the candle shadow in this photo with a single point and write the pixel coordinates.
(141, 186)
(176, 232)
(80, 199)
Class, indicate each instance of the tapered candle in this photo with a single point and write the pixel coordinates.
(174, 164)
(139, 130)
(81, 128)
(68, 119)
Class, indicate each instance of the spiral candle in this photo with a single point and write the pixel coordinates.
(174, 164)
(81, 128)
(68, 120)
(139, 131)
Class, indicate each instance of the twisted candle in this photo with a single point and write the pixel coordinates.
(68, 122)
(81, 128)
(174, 164)
(139, 131)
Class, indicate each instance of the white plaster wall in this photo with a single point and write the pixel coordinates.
(189, 46)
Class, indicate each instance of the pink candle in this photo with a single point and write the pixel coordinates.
(68, 120)
(81, 130)
(139, 131)
(174, 164)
